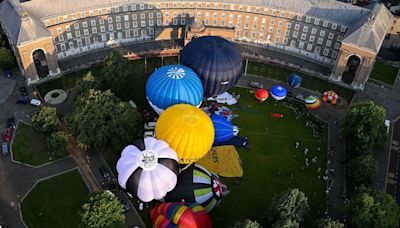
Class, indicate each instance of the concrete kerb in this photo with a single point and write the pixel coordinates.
(26, 164)
(34, 185)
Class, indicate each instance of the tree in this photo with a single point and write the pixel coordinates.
(116, 72)
(362, 169)
(58, 142)
(86, 83)
(6, 58)
(286, 223)
(102, 210)
(101, 119)
(290, 205)
(246, 224)
(329, 223)
(364, 126)
(373, 209)
(46, 120)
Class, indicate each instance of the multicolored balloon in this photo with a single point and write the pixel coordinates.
(261, 95)
(173, 84)
(330, 97)
(278, 92)
(217, 61)
(184, 214)
(294, 80)
(148, 169)
(224, 130)
(312, 102)
(187, 130)
(197, 184)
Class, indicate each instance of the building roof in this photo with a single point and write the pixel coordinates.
(332, 10)
(21, 26)
(370, 32)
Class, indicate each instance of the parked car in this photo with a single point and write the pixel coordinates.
(149, 134)
(300, 97)
(23, 91)
(35, 102)
(5, 148)
(257, 85)
(132, 104)
(126, 205)
(104, 173)
(10, 122)
(150, 125)
(22, 100)
(7, 134)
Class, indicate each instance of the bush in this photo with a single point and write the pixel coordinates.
(46, 120)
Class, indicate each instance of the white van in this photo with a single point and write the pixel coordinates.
(150, 125)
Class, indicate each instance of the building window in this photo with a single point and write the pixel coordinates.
(289, 25)
(151, 22)
(104, 37)
(62, 47)
(118, 19)
(309, 47)
(295, 34)
(102, 29)
(91, 13)
(271, 29)
(143, 32)
(337, 45)
(110, 27)
(311, 39)
(305, 29)
(151, 15)
(135, 32)
(316, 21)
(322, 33)
(119, 26)
(313, 31)
(330, 35)
(71, 44)
(128, 33)
(59, 30)
(279, 31)
(110, 20)
(183, 21)
(116, 9)
(272, 22)
(301, 44)
(299, 18)
(317, 49)
(151, 31)
(141, 6)
(108, 10)
(99, 12)
(158, 22)
(142, 16)
(77, 33)
(325, 25)
(320, 40)
(297, 27)
(291, 16)
(83, 15)
(69, 35)
(133, 7)
(287, 32)
(326, 51)
(95, 39)
(328, 43)
(125, 8)
(93, 23)
(308, 19)
(282, 14)
(94, 30)
(158, 15)
(216, 15)
(67, 28)
(127, 24)
(334, 26)
(84, 24)
(65, 18)
(280, 23)
(79, 42)
(277, 40)
(285, 42)
(134, 17)
(303, 36)
(293, 43)
(142, 23)
(47, 22)
(101, 21)
(339, 38)
(61, 37)
(334, 54)
(86, 32)
(126, 17)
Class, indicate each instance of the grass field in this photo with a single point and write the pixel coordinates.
(271, 160)
(23, 148)
(384, 72)
(55, 202)
(309, 82)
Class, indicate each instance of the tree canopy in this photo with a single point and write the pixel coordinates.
(58, 142)
(101, 119)
(6, 58)
(46, 120)
(329, 223)
(116, 72)
(364, 126)
(362, 169)
(246, 224)
(102, 210)
(86, 83)
(373, 209)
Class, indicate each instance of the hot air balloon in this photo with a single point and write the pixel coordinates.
(191, 215)
(224, 130)
(278, 92)
(312, 102)
(294, 80)
(261, 95)
(217, 62)
(330, 97)
(187, 130)
(173, 84)
(197, 184)
(148, 169)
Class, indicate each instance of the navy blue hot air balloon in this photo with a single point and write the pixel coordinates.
(224, 130)
(217, 62)
(294, 80)
(173, 84)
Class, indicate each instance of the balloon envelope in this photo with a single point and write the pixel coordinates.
(312, 102)
(330, 97)
(217, 62)
(173, 84)
(187, 130)
(224, 130)
(294, 80)
(278, 92)
(197, 184)
(148, 169)
(185, 214)
(261, 94)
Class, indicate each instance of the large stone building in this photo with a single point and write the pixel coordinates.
(46, 34)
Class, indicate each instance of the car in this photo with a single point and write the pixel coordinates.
(150, 125)
(132, 104)
(35, 102)
(300, 97)
(126, 205)
(22, 100)
(23, 91)
(10, 122)
(105, 173)
(7, 134)
(5, 149)
(111, 186)
(257, 85)
(149, 134)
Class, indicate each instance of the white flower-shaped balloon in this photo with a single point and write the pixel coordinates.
(148, 169)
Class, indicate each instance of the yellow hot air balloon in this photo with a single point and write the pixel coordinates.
(187, 130)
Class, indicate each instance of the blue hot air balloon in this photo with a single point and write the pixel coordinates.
(217, 62)
(294, 80)
(278, 92)
(173, 84)
(224, 130)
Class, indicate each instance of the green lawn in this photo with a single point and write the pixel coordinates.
(309, 82)
(30, 146)
(55, 202)
(384, 72)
